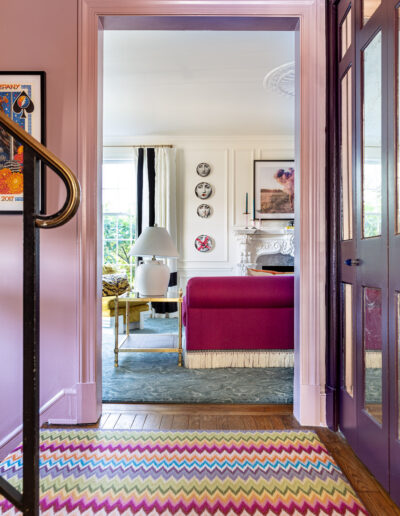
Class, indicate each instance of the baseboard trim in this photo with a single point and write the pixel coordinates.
(312, 406)
(63, 404)
(88, 404)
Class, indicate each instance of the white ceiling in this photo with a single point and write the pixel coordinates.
(194, 82)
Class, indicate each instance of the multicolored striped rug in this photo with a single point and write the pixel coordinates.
(186, 473)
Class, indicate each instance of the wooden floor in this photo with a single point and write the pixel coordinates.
(248, 417)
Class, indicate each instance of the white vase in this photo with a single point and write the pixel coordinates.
(152, 278)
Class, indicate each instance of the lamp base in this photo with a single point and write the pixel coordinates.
(152, 278)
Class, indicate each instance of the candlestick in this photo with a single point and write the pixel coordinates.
(247, 202)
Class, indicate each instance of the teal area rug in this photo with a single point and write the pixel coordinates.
(156, 377)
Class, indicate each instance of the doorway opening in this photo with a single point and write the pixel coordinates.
(308, 20)
(214, 103)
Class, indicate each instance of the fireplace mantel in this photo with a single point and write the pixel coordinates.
(256, 242)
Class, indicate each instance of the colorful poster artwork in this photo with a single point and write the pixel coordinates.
(20, 99)
(273, 189)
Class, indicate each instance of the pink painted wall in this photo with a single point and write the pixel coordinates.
(41, 35)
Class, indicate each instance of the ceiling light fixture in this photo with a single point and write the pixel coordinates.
(281, 80)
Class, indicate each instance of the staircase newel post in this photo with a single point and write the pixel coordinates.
(31, 322)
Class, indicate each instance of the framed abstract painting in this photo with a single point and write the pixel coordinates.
(22, 98)
(273, 189)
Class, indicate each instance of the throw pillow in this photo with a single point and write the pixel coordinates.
(262, 272)
(115, 284)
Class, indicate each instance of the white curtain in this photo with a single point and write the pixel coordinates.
(165, 205)
(165, 195)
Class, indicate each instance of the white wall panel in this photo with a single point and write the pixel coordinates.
(243, 183)
(191, 225)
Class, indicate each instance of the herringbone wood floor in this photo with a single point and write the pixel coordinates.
(248, 417)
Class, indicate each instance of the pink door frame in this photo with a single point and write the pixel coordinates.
(309, 399)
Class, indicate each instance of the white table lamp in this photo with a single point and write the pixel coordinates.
(152, 276)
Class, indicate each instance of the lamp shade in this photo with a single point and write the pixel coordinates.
(154, 241)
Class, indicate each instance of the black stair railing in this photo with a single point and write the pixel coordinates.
(33, 221)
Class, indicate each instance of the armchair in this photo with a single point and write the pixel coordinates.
(114, 285)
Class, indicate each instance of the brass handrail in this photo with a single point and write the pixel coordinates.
(71, 204)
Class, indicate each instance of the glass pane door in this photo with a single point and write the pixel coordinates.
(397, 82)
(364, 258)
(373, 353)
(372, 138)
(398, 360)
(368, 8)
(346, 158)
(347, 338)
(348, 394)
(345, 33)
(394, 247)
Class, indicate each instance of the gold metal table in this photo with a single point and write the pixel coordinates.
(132, 298)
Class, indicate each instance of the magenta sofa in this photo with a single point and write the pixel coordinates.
(239, 313)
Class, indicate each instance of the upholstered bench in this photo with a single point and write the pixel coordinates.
(239, 321)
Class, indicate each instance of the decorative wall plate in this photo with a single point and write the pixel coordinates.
(203, 169)
(204, 243)
(203, 190)
(204, 211)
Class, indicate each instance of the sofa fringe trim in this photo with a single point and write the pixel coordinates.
(215, 359)
(373, 359)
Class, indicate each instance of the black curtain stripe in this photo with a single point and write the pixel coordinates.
(151, 169)
(173, 280)
(139, 194)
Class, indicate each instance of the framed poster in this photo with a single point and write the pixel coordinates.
(22, 98)
(273, 189)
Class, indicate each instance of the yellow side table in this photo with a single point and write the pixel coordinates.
(129, 298)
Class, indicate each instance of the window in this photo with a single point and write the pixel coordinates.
(119, 215)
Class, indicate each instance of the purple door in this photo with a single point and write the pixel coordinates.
(369, 256)
(393, 16)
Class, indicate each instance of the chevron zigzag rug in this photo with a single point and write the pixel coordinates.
(186, 473)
